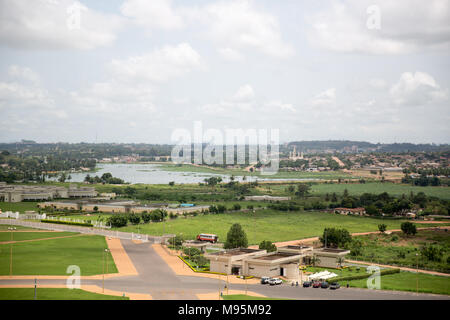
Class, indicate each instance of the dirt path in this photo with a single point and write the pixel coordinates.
(180, 268)
(124, 265)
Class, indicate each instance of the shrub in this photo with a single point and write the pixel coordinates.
(408, 228)
(146, 217)
(432, 252)
(117, 221)
(268, 246)
(236, 207)
(191, 252)
(134, 218)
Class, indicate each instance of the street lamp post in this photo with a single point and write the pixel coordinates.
(11, 250)
(417, 273)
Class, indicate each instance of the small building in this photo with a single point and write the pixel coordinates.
(350, 211)
(266, 198)
(329, 257)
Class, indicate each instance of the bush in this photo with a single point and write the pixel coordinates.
(134, 218)
(268, 246)
(72, 223)
(394, 238)
(236, 207)
(146, 217)
(432, 252)
(117, 221)
(191, 252)
(408, 228)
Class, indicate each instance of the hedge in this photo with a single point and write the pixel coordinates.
(193, 269)
(72, 223)
(364, 276)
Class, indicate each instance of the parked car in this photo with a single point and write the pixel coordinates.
(265, 280)
(307, 284)
(316, 284)
(275, 281)
(324, 285)
(334, 286)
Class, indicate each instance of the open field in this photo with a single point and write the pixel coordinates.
(407, 281)
(4, 227)
(53, 294)
(20, 236)
(264, 225)
(400, 250)
(379, 187)
(52, 257)
(18, 206)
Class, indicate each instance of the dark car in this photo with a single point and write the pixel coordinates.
(335, 286)
(316, 284)
(324, 285)
(307, 284)
(265, 280)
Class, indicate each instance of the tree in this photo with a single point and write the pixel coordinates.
(303, 189)
(408, 228)
(382, 227)
(314, 260)
(333, 237)
(117, 221)
(236, 237)
(134, 218)
(268, 246)
(432, 252)
(146, 217)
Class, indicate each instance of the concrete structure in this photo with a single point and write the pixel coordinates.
(255, 262)
(329, 257)
(266, 198)
(18, 193)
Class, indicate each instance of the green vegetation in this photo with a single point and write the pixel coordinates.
(52, 257)
(407, 281)
(264, 224)
(53, 294)
(20, 236)
(18, 206)
(379, 187)
(236, 237)
(431, 246)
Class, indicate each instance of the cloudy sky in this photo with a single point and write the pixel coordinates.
(136, 70)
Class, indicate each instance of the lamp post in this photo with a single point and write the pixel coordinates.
(11, 250)
(417, 273)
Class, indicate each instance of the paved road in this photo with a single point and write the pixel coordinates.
(158, 280)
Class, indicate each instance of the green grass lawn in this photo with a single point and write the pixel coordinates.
(19, 236)
(407, 281)
(264, 225)
(18, 206)
(399, 250)
(378, 187)
(53, 294)
(52, 257)
(6, 226)
(246, 297)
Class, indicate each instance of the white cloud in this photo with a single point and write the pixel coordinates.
(417, 88)
(244, 93)
(23, 73)
(238, 24)
(154, 14)
(48, 25)
(325, 98)
(405, 26)
(277, 105)
(230, 54)
(159, 65)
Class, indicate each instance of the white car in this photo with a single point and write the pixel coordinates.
(275, 281)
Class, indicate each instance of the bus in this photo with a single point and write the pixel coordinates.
(207, 237)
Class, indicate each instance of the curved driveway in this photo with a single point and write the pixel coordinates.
(157, 279)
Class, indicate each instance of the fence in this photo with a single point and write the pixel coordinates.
(84, 230)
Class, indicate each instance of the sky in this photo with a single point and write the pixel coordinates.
(138, 70)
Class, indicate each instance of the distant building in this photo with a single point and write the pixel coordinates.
(266, 198)
(351, 211)
(18, 193)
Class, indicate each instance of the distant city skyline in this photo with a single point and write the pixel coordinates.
(133, 71)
